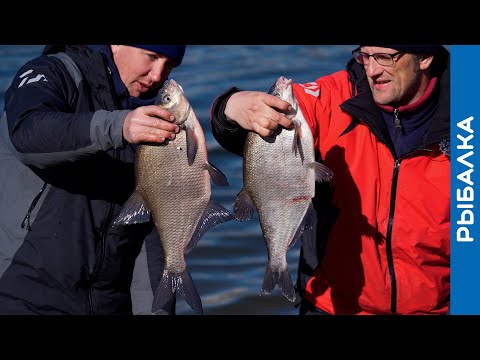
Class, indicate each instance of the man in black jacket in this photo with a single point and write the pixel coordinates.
(71, 120)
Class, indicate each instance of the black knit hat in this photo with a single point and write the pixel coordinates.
(175, 52)
(417, 49)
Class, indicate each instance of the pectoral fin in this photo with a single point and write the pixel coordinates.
(214, 214)
(322, 172)
(297, 138)
(243, 206)
(218, 178)
(192, 144)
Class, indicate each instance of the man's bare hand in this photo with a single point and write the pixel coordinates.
(258, 111)
(149, 124)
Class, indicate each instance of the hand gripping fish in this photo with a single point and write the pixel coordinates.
(279, 174)
(179, 170)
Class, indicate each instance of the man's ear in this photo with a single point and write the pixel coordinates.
(114, 49)
(426, 61)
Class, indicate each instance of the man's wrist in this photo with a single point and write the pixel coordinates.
(218, 111)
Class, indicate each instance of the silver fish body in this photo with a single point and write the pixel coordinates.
(173, 188)
(279, 174)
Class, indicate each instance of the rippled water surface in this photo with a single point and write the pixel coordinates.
(228, 263)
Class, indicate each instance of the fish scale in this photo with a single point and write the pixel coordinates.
(264, 181)
(189, 207)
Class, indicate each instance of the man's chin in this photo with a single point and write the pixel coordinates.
(381, 98)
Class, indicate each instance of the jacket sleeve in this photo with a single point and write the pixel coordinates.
(43, 127)
(229, 135)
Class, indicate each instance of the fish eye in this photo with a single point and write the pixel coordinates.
(166, 98)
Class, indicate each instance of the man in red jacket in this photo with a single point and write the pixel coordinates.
(382, 242)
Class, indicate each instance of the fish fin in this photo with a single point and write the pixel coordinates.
(170, 284)
(282, 279)
(134, 211)
(308, 222)
(192, 144)
(218, 178)
(214, 214)
(165, 292)
(322, 172)
(297, 138)
(243, 206)
(269, 282)
(309, 219)
(187, 290)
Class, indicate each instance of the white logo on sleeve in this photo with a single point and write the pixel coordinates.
(31, 80)
(311, 88)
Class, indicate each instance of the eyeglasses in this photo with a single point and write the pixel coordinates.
(383, 59)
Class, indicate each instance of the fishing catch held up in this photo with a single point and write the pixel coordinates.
(279, 174)
(177, 168)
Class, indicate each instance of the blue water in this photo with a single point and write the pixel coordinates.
(228, 263)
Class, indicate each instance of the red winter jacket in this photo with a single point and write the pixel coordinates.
(388, 250)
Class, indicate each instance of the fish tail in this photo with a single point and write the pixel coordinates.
(281, 278)
(189, 292)
(165, 292)
(172, 283)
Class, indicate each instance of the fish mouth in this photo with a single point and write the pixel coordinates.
(167, 84)
(174, 83)
(170, 83)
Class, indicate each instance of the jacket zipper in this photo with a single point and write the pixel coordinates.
(103, 252)
(388, 241)
(104, 230)
(398, 126)
(391, 216)
(26, 220)
(106, 224)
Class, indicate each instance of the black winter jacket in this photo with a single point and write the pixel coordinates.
(66, 174)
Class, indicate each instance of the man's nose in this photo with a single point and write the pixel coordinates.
(372, 68)
(157, 70)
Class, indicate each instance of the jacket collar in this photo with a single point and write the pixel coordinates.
(120, 89)
(362, 106)
(99, 69)
(417, 104)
